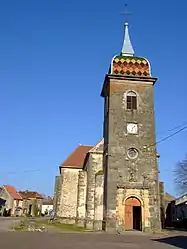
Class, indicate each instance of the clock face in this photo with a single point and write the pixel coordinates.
(132, 128)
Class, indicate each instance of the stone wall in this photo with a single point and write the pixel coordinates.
(98, 201)
(81, 202)
(122, 170)
(163, 205)
(69, 193)
(57, 194)
(95, 165)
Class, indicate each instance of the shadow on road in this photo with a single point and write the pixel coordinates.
(178, 241)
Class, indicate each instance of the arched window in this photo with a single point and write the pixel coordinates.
(131, 100)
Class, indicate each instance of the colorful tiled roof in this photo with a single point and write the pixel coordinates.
(77, 157)
(12, 191)
(130, 66)
(30, 195)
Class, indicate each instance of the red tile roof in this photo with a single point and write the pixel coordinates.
(30, 195)
(77, 157)
(48, 202)
(12, 191)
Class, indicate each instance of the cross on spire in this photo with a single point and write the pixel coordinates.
(127, 49)
(126, 13)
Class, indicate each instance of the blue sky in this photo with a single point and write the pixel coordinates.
(53, 59)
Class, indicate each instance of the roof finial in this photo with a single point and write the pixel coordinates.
(127, 49)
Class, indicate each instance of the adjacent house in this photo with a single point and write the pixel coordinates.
(32, 202)
(12, 201)
(176, 213)
(47, 206)
(2, 205)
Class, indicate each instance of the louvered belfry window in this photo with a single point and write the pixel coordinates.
(131, 101)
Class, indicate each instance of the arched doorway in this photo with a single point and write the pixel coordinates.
(133, 217)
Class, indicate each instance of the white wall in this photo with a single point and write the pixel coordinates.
(69, 192)
(46, 207)
(9, 200)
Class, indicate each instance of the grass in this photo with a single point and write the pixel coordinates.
(17, 228)
(63, 227)
(20, 225)
(100, 172)
(23, 225)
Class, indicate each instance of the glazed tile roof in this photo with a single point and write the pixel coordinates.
(130, 66)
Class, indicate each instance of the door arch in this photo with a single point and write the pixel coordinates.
(133, 217)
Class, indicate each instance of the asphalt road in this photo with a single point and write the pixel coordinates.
(30, 240)
(7, 223)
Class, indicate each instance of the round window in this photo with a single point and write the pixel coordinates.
(132, 153)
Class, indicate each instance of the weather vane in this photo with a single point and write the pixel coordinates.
(126, 13)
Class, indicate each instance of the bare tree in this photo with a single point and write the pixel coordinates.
(180, 177)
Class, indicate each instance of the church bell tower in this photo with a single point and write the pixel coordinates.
(131, 181)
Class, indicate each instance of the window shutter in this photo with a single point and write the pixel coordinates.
(134, 103)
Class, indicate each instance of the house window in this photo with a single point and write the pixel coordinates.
(131, 100)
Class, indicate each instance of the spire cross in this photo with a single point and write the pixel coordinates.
(127, 48)
(126, 13)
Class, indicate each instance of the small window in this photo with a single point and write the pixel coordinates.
(131, 101)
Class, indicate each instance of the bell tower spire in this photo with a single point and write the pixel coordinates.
(127, 49)
(131, 177)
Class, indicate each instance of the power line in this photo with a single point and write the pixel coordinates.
(160, 141)
(174, 128)
(22, 171)
(165, 138)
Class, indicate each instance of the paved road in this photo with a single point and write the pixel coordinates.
(30, 240)
(7, 223)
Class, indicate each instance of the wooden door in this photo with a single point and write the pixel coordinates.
(128, 217)
(129, 204)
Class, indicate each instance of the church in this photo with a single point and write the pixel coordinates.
(114, 185)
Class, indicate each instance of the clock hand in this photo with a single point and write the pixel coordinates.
(134, 128)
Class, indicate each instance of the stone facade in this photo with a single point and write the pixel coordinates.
(94, 166)
(79, 189)
(143, 196)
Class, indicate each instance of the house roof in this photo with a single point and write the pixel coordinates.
(13, 193)
(77, 157)
(30, 195)
(48, 202)
(168, 197)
